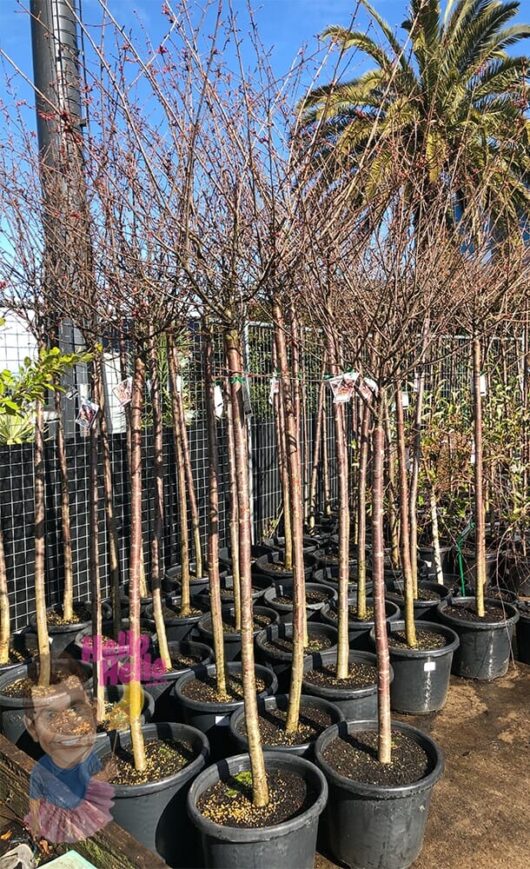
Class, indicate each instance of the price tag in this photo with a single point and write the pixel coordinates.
(429, 666)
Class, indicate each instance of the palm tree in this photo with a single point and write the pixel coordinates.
(449, 96)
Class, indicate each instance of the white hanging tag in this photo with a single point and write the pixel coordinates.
(342, 389)
(473, 458)
(178, 383)
(123, 392)
(405, 402)
(72, 392)
(372, 385)
(87, 414)
(247, 406)
(416, 384)
(429, 666)
(483, 385)
(218, 401)
(274, 388)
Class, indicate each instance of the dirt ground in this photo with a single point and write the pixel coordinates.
(480, 810)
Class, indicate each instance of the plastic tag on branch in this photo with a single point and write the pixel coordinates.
(483, 385)
(218, 401)
(416, 384)
(71, 394)
(123, 392)
(87, 414)
(405, 401)
(367, 388)
(274, 388)
(342, 388)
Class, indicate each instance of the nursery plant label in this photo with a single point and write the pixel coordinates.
(274, 388)
(429, 666)
(222, 720)
(123, 392)
(218, 401)
(88, 411)
(342, 388)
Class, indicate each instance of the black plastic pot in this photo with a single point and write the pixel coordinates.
(493, 565)
(232, 639)
(155, 813)
(213, 718)
(113, 694)
(326, 576)
(485, 647)
(171, 582)
(359, 632)
(355, 703)
(165, 704)
(13, 709)
(291, 843)
(262, 566)
(281, 701)
(281, 661)
(310, 543)
(285, 611)
(327, 562)
(426, 555)
(144, 601)
(371, 826)
(427, 610)
(421, 677)
(178, 628)
(259, 585)
(63, 636)
(523, 634)
(118, 651)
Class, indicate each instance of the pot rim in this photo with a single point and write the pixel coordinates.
(381, 791)
(272, 701)
(236, 635)
(478, 626)
(273, 760)
(344, 693)
(137, 790)
(284, 607)
(216, 706)
(287, 656)
(433, 627)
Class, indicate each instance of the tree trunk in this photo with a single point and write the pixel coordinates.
(280, 427)
(378, 576)
(93, 555)
(157, 535)
(392, 512)
(260, 790)
(66, 531)
(292, 435)
(410, 629)
(40, 549)
(480, 519)
(436, 536)
(361, 513)
(5, 620)
(234, 512)
(341, 452)
(124, 368)
(174, 363)
(317, 450)
(416, 464)
(213, 516)
(325, 462)
(181, 484)
(135, 562)
(110, 519)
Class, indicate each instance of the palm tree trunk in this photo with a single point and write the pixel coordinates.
(361, 513)
(260, 789)
(93, 555)
(341, 451)
(480, 519)
(135, 561)
(410, 629)
(317, 450)
(66, 531)
(181, 485)
(213, 524)
(5, 619)
(40, 549)
(233, 512)
(110, 519)
(158, 503)
(292, 433)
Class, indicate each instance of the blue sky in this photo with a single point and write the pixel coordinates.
(284, 24)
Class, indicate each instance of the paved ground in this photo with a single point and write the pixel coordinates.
(480, 810)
